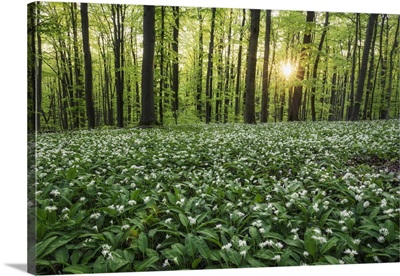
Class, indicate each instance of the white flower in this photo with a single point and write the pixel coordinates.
(218, 226)
(261, 230)
(242, 243)
(165, 264)
(95, 216)
(95, 228)
(125, 226)
(226, 246)
(146, 199)
(132, 202)
(376, 259)
(356, 241)
(366, 204)
(243, 253)
(351, 252)
(168, 220)
(110, 256)
(276, 258)
(306, 254)
(381, 239)
(55, 193)
(82, 198)
(294, 230)
(328, 231)
(192, 220)
(158, 246)
(315, 207)
(65, 210)
(50, 208)
(383, 203)
(344, 228)
(384, 231)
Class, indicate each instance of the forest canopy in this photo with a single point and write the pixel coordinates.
(88, 66)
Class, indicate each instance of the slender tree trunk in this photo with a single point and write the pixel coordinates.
(353, 69)
(239, 67)
(148, 117)
(391, 67)
(364, 65)
(175, 63)
(295, 103)
(88, 67)
(39, 70)
(265, 78)
(161, 96)
(370, 84)
(209, 79)
(118, 17)
(315, 68)
(249, 116)
(228, 70)
(199, 77)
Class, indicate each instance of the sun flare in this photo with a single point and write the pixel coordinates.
(287, 69)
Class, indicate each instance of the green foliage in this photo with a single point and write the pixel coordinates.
(216, 196)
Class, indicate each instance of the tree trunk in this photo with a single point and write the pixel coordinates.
(199, 76)
(364, 66)
(175, 63)
(391, 67)
(88, 67)
(249, 116)
(353, 69)
(265, 78)
(239, 67)
(148, 117)
(295, 103)
(161, 96)
(209, 79)
(315, 68)
(118, 17)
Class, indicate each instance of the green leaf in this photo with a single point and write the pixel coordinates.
(196, 262)
(258, 198)
(183, 220)
(331, 260)
(41, 247)
(234, 257)
(253, 232)
(179, 249)
(71, 173)
(143, 243)
(100, 265)
(146, 264)
(62, 255)
(75, 256)
(328, 245)
(190, 245)
(203, 248)
(77, 269)
(309, 243)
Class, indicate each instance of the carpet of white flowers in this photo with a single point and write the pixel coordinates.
(217, 196)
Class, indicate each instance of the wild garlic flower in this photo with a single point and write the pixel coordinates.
(166, 263)
(95, 215)
(146, 199)
(381, 239)
(243, 253)
(50, 208)
(125, 226)
(226, 246)
(82, 199)
(242, 243)
(384, 231)
(192, 220)
(132, 202)
(351, 252)
(306, 254)
(168, 220)
(366, 204)
(55, 193)
(218, 226)
(276, 258)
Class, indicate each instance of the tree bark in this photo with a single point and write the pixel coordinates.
(295, 103)
(209, 79)
(239, 67)
(265, 80)
(175, 63)
(249, 116)
(148, 117)
(364, 66)
(88, 67)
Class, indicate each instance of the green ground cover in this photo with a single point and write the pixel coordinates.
(217, 196)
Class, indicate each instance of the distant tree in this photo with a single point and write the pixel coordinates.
(175, 63)
(295, 102)
(88, 67)
(209, 78)
(249, 115)
(364, 65)
(239, 66)
(265, 81)
(148, 117)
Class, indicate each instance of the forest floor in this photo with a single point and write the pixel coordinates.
(216, 196)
